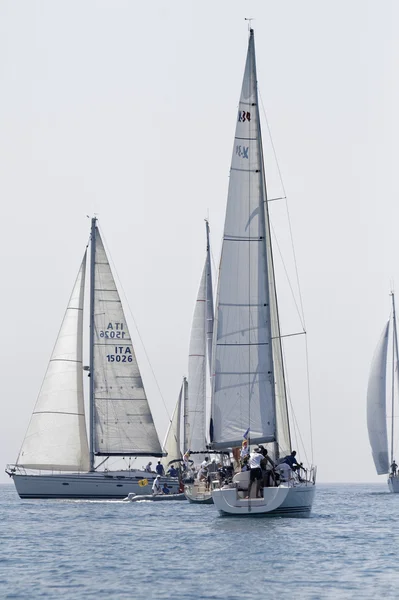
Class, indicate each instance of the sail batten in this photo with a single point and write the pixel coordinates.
(56, 438)
(123, 423)
(243, 385)
(376, 405)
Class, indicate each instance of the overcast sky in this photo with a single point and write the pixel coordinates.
(127, 109)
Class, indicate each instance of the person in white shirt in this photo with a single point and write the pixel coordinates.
(202, 474)
(205, 462)
(255, 471)
(156, 486)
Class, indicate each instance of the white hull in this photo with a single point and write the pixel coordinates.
(287, 500)
(154, 497)
(196, 493)
(393, 484)
(92, 486)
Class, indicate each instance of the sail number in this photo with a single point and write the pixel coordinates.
(242, 151)
(119, 335)
(113, 331)
(243, 116)
(122, 354)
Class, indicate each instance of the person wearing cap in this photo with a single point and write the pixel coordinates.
(159, 469)
(255, 471)
(148, 468)
(156, 486)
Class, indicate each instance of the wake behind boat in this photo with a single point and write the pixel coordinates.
(56, 459)
(249, 390)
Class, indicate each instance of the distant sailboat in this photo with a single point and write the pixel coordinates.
(377, 398)
(195, 420)
(248, 392)
(56, 447)
(199, 368)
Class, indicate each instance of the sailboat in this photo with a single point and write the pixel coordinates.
(199, 363)
(377, 399)
(56, 459)
(248, 390)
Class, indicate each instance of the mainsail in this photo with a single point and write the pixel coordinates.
(376, 405)
(56, 438)
(123, 423)
(243, 394)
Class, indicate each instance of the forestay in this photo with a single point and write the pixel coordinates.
(56, 438)
(123, 420)
(376, 405)
(243, 388)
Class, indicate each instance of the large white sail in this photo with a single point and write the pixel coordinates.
(122, 416)
(196, 400)
(243, 389)
(376, 405)
(56, 438)
(172, 440)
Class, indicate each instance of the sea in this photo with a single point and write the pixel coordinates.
(348, 548)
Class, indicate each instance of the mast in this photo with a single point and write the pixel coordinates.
(394, 349)
(266, 226)
(91, 399)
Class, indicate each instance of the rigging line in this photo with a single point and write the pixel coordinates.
(293, 413)
(287, 210)
(300, 315)
(134, 321)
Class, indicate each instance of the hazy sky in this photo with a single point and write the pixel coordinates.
(127, 109)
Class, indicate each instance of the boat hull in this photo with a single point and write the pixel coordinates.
(393, 484)
(198, 494)
(154, 497)
(283, 501)
(88, 486)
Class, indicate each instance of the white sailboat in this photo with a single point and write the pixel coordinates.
(199, 369)
(56, 460)
(248, 391)
(377, 398)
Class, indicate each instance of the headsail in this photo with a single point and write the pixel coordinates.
(122, 416)
(243, 389)
(376, 405)
(56, 438)
(209, 300)
(172, 440)
(196, 400)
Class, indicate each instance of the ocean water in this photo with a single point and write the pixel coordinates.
(348, 548)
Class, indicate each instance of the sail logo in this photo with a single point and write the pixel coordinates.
(113, 331)
(122, 354)
(243, 116)
(242, 151)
